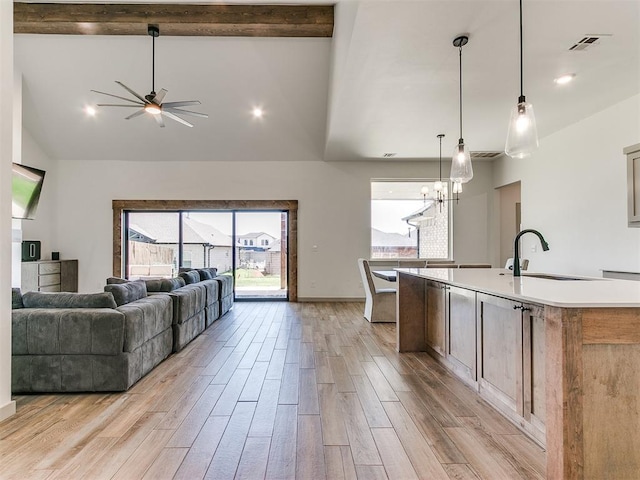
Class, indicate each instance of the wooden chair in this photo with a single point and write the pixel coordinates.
(380, 303)
(524, 264)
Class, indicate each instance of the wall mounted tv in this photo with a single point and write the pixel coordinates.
(26, 185)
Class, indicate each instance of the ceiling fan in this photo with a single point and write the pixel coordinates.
(152, 103)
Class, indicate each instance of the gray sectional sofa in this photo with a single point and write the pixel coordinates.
(70, 342)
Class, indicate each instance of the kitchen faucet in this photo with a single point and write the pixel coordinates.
(516, 249)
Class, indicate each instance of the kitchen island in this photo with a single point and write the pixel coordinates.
(558, 356)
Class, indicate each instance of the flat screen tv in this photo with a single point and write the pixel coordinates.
(26, 185)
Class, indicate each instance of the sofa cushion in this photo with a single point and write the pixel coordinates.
(145, 319)
(68, 300)
(124, 293)
(62, 331)
(171, 284)
(153, 285)
(16, 299)
(207, 273)
(190, 277)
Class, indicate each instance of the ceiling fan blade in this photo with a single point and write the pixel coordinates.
(135, 114)
(159, 96)
(137, 105)
(142, 99)
(159, 120)
(185, 112)
(181, 104)
(116, 96)
(176, 118)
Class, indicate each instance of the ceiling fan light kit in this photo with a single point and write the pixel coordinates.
(152, 103)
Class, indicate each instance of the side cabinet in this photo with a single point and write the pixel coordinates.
(436, 312)
(50, 276)
(511, 360)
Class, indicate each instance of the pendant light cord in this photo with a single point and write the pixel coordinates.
(153, 63)
(521, 56)
(440, 157)
(460, 91)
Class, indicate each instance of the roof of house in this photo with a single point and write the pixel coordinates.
(163, 228)
(386, 239)
(254, 235)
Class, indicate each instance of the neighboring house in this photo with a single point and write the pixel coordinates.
(203, 245)
(392, 245)
(256, 241)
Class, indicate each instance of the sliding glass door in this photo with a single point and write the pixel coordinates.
(260, 255)
(251, 245)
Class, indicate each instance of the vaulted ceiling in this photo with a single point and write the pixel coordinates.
(385, 82)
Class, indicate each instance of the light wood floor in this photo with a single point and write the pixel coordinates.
(274, 390)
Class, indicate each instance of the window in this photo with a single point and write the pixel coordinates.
(246, 242)
(407, 223)
(250, 242)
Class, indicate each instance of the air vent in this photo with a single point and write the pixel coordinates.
(485, 154)
(587, 42)
(388, 155)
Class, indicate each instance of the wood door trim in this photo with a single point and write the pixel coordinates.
(290, 206)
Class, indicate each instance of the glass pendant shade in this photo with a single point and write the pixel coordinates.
(461, 168)
(522, 138)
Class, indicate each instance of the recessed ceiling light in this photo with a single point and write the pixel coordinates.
(564, 79)
(89, 110)
(257, 112)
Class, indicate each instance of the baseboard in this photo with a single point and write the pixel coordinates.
(7, 410)
(331, 299)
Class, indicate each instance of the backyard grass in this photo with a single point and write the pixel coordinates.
(254, 278)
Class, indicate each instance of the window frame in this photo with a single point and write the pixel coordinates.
(120, 207)
(421, 181)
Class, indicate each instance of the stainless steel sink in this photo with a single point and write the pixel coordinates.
(550, 276)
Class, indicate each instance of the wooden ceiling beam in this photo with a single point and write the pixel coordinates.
(174, 19)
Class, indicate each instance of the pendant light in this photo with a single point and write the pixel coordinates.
(522, 138)
(461, 168)
(440, 187)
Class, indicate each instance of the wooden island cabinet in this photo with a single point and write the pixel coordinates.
(559, 358)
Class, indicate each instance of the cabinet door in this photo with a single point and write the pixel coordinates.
(436, 314)
(29, 281)
(461, 344)
(500, 356)
(534, 368)
(633, 184)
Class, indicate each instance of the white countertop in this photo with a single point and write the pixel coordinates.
(595, 292)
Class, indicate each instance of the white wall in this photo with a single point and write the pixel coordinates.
(7, 406)
(42, 227)
(334, 209)
(574, 192)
